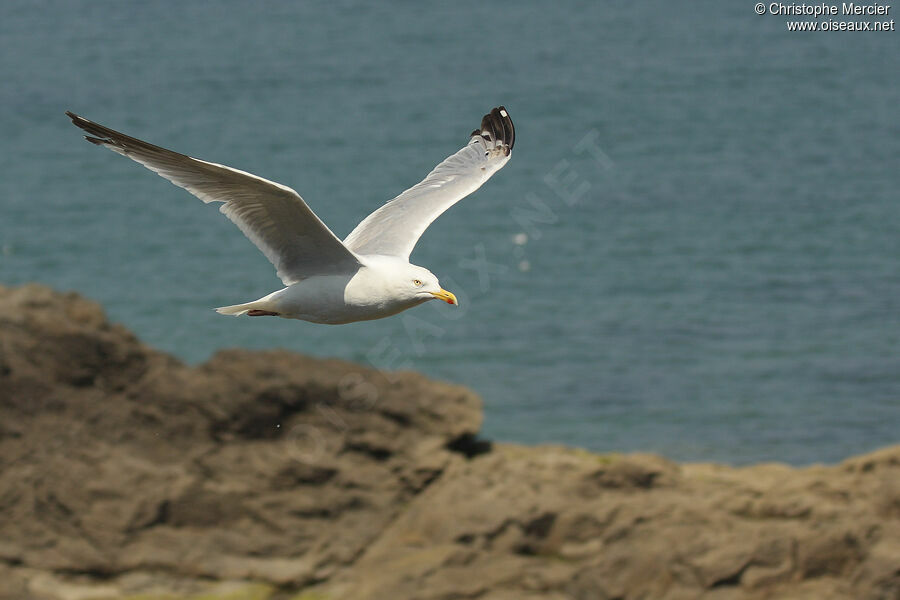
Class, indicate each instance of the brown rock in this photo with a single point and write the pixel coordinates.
(268, 474)
(268, 466)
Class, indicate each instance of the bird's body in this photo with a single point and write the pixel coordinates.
(368, 293)
(368, 275)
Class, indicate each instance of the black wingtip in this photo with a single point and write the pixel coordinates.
(99, 135)
(498, 127)
(81, 123)
(75, 118)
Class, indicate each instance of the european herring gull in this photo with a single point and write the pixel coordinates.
(368, 275)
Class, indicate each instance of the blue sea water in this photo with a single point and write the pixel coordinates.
(694, 249)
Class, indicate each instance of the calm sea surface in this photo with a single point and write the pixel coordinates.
(695, 249)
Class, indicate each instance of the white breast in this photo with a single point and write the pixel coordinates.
(335, 299)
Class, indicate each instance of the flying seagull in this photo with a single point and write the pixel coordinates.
(368, 275)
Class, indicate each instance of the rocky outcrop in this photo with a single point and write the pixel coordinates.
(125, 473)
(566, 524)
(262, 466)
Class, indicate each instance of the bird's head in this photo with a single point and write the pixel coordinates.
(421, 284)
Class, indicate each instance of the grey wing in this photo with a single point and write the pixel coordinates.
(395, 228)
(273, 216)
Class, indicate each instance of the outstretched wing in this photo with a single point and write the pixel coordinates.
(395, 228)
(273, 216)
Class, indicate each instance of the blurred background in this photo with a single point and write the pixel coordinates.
(693, 251)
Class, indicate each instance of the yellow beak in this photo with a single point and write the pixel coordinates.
(446, 296)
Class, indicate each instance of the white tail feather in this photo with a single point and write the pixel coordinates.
(237, 310)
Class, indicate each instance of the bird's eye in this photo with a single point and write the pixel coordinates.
(417, 283)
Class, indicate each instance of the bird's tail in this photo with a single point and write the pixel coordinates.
(255, 308)
(235, 309)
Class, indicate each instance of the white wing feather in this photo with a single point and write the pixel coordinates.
(395, 228)
(274, 217)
